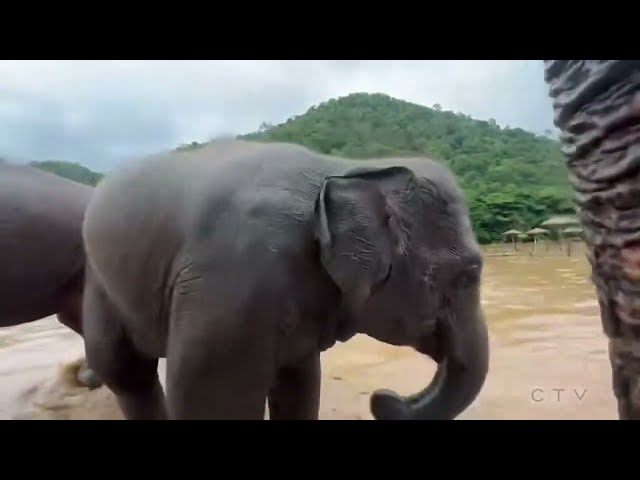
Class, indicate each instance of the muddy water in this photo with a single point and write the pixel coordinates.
(548, 359)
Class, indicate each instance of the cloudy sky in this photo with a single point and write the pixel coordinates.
(103, 113)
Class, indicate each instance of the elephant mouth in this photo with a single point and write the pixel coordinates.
(434, 343)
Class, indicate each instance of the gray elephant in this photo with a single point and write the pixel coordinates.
(597, 107)
(41, 252)
(240, 262)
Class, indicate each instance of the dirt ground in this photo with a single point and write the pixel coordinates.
(520, 385)
(549, 356)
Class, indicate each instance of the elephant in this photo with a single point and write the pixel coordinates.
(596, 106)
(240, 262)
(41, 253)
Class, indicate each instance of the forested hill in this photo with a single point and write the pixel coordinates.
(511, 177)
(72, 171)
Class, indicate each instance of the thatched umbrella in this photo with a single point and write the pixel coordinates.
(512, 233)
(535, 233)
(558, 222)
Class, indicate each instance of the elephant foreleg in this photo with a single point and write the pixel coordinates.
(296, 393)
(219, 360)
(597, 107)
(202, 385)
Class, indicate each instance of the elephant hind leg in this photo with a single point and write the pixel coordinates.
(70, 315)
(130, 375)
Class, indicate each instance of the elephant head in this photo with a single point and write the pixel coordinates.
(399, 245)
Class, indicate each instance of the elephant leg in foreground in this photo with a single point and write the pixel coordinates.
(296, 394)
(597, 106)
(131, 376)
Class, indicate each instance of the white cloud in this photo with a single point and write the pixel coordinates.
(99, 113)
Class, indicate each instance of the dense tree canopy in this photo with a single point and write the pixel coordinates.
(511, 177)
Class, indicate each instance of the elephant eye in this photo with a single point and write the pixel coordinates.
(378, 285)
(467, 278)
(427, 277)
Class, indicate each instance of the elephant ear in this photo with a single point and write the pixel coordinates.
(358, 227)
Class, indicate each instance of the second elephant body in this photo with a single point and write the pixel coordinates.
(41, 253)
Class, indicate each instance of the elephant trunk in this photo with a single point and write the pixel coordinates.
(596, 105)
(460, 376)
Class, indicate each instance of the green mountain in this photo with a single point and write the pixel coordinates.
(72, 171)
(512, 178)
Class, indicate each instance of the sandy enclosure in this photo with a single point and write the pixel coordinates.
(548, 361)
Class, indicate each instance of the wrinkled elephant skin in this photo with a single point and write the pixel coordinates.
(41, 252)
(240, 262)
(597, 108)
